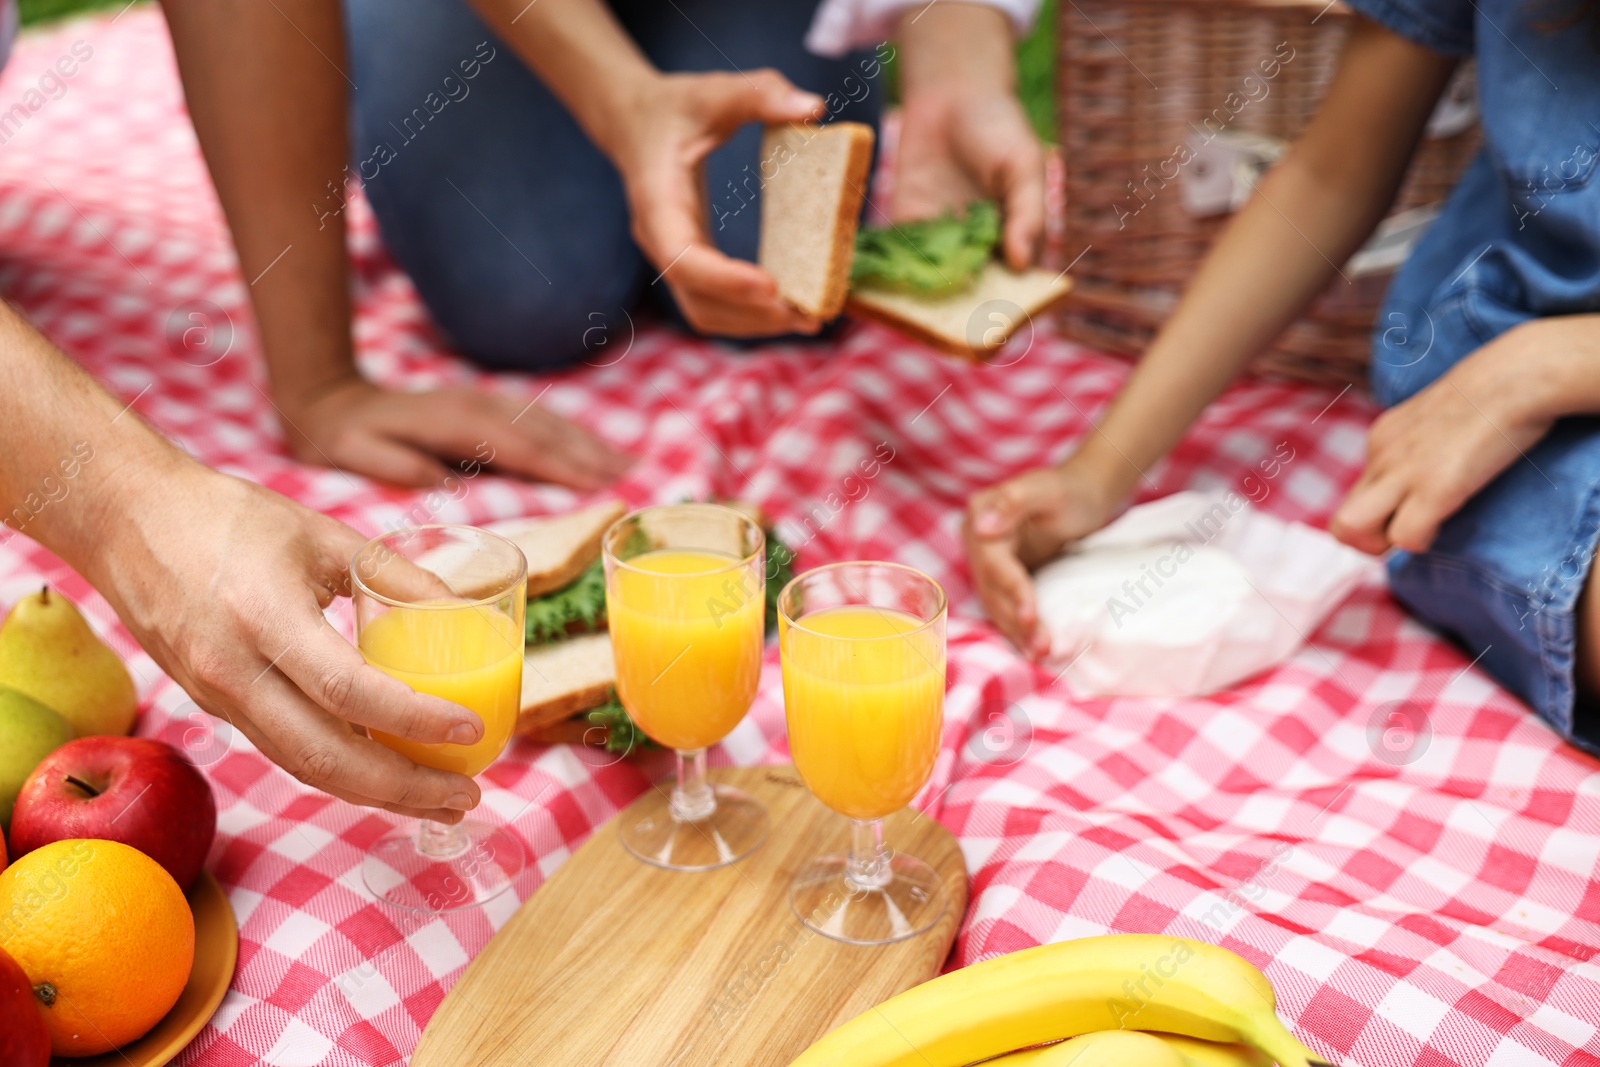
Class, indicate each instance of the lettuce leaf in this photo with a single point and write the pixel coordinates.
(927, 257)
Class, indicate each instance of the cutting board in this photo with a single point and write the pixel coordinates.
(615, 962)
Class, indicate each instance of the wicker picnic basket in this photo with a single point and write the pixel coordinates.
(1226, 79)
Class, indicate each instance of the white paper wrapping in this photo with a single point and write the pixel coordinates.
(1188, 595)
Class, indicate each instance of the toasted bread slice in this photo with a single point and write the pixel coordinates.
(810, 206)
(975, 322)
(564, 678)
(559, 547)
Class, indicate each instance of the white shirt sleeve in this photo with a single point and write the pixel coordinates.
(841, 25)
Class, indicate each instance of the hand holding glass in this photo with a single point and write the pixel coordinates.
(441, 608)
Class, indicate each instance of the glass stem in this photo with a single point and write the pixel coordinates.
(692, 798)
(441, 841)
(868, 867)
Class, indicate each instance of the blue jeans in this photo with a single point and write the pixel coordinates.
(510, 222)
(1505, 573)
(1518, 239)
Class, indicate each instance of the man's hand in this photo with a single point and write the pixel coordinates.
(1427, 456)
(402, 437)
(964, 135)
(674, 123)
(1019, 524)
(223, 583)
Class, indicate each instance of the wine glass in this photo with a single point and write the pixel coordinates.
(441, 608)
(686, 605)
(863, 652)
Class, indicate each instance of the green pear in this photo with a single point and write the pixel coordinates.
(48, 652)
(29, 732)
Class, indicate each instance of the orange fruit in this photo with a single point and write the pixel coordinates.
(105, 936)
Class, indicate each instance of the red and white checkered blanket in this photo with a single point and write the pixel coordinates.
(1437, 904)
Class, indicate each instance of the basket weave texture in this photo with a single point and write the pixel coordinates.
(1138, 79)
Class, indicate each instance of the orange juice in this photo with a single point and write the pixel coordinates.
(863, 688)
(686, 630)
(469, 655)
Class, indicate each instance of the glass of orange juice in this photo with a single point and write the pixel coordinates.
(441, 608)
(686, 606)
(863, 652)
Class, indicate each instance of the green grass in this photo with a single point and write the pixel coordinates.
(1036, 73)
(48, 10)
(1036, 54)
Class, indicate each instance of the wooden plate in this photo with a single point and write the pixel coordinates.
(614, 963)
(216, 950)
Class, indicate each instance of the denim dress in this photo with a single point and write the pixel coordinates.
(1518, 238)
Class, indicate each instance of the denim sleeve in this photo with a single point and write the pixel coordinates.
(1443, 25)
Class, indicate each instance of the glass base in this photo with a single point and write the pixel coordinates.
(826, 901)
(730, 831)
(439, 868)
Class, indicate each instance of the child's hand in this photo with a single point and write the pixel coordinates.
(1020, 524)
(1427, 456)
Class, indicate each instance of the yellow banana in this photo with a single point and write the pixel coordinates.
(1197, 1053)
(1117, 982)
(1191, 1053)
(1103, 1048)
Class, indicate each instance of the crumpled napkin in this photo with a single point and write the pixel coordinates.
(1189, 594)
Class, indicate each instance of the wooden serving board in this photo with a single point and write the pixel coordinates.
(615, 962)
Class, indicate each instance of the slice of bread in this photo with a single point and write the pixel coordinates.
(562, 679)
(559, 547)
(975, 322)
(810, 206)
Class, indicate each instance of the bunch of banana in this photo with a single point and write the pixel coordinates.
(1134, 1048)
(1122, 982)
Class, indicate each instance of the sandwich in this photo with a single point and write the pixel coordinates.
(568, 674)
(814, 179)
(567, 668)
(939, 281)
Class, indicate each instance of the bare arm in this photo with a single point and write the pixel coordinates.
(221, 581)
(1308, 216)
(268, 93)
(1311, 212)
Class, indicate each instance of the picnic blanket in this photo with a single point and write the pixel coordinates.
(1403, 847)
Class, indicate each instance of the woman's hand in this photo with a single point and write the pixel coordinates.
(957, 147)
(223, 583)
(1019, 524)
(963, 134)
(405, 438)
(1427, 456)
(675, 122)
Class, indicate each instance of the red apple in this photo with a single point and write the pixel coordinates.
(135, 790)
(24, 1039)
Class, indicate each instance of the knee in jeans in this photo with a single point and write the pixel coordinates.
(538, 325)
